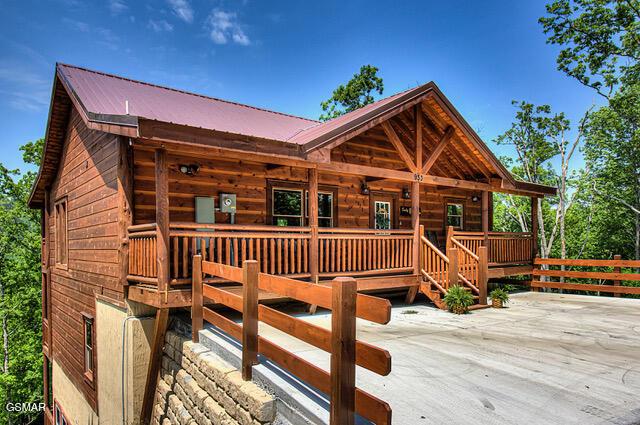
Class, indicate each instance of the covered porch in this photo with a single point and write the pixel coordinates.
(399, 197)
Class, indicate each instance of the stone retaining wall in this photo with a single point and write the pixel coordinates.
(198, 387)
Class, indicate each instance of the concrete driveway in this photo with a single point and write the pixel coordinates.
(547, 359)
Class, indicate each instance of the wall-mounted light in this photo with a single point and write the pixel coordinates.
(405, 193)
(475, 198)
(364, 189)
(189, 169)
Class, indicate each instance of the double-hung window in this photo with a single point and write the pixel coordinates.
(62, 248)
(88, 341)
(455, 215)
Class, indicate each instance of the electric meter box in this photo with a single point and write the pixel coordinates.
(205, 210)
(228, 203)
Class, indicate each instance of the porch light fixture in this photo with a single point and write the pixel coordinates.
(475, 198)
(405, 193)
(364, 189)
(189, 169)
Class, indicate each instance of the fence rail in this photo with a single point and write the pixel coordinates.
(346, 352)
(616, 275)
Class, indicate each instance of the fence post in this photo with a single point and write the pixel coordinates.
(196, 298)
(535, 266)
(343, 351)
(249, 317)
(483, 271)
(452, 253)
(616, 269)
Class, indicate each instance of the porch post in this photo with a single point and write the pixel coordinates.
(162, 259)
(485, 216)
(162, 220)
(415, 208)
(534, 227)
(313, 224)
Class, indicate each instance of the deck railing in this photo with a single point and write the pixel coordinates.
(142, 252)
(364, 251)
(345, 350)
(502, 247)
(278, 250)
(434, 266)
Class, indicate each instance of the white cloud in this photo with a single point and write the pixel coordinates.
(182, 9)
(77, 25)
(23, 89)
(160, 26)
(224, 27)
(117, 6)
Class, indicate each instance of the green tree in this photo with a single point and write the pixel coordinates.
(20, 290)
(353, 95)
(539, 136)
(613, 153)
(600, 40)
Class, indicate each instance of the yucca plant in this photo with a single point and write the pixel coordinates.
(499, 297)
(458, 299)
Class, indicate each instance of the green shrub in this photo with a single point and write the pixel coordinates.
(458, 299)
(500, 294)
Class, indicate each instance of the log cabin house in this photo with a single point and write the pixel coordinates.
(137, 178)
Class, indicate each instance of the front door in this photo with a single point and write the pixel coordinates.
(383, 214)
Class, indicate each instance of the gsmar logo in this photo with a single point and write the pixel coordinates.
(24, 407)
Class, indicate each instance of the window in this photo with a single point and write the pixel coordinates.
(455, 215)
(382, 214)
(62, 249)
(61, 419)
(325, 208)
(287, 207)
(88, 346)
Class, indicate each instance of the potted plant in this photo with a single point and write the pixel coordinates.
(499, 297)
(458, 299)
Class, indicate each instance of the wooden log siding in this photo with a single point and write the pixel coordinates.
(339, 383)
(248, 180)
(88, 177)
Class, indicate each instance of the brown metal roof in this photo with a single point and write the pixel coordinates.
(104, 96)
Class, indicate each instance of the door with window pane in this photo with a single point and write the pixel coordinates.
(382, 215)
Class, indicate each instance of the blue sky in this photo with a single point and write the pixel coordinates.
(284, 55)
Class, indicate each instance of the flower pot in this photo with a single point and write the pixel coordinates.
(496, 303)
(459, 309)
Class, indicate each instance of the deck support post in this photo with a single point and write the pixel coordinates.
(483, 271)
(313, 224)
(197, 321)
(162, 261)
(617, 270)
(157, 344)
(343, 351)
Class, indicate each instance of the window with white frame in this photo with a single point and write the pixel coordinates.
(287, 205)
(455, 215)
(325, 208)
(88, 346)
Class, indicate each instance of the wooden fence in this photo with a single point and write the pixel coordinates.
(613, 274)
(346, 352)
(502, 247)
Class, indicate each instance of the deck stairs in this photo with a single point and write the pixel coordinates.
(438, 273)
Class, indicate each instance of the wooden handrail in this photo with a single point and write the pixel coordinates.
(587, 262)
(465, 249)
(239, 227)
(142, 227)
(432, 246)
(355, 230)
(346, 351)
